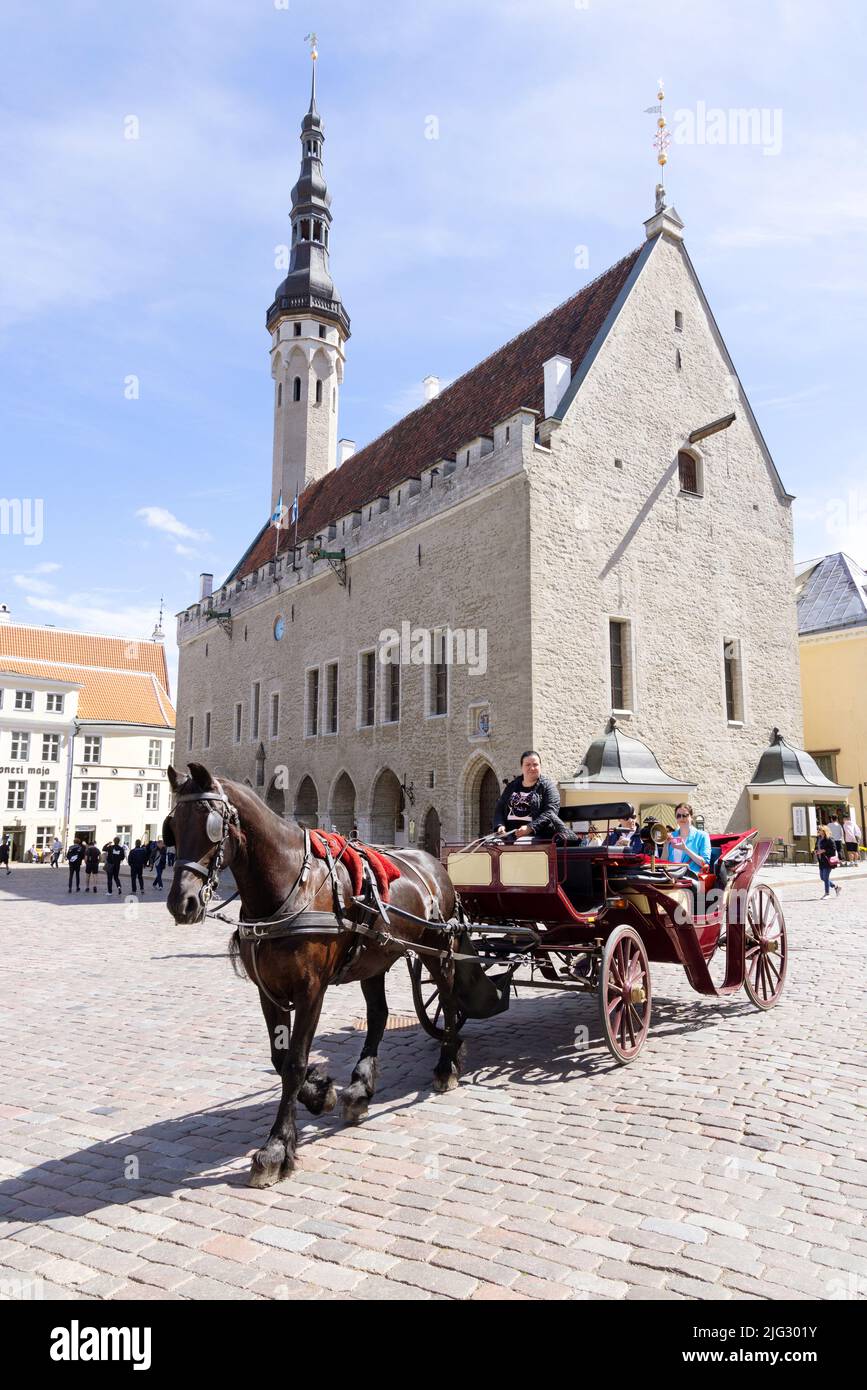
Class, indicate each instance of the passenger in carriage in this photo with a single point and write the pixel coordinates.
(529, 804)
(626, 834)
(688, 844)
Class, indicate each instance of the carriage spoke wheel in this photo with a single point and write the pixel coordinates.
(426, 998)
(766, 948)
(624, 994)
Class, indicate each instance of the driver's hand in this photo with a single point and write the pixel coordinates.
(500, 830)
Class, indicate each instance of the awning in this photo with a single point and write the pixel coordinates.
(785, 770)
(623, 767)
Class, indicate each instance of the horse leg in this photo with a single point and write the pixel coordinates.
(317, 1090)
(354, 1100)
(277, 1158)
(450, 1065)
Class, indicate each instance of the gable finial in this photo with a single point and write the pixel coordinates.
(661, 142)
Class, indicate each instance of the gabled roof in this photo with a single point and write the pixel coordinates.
(84, 649)
(832, 594)
(510, 378)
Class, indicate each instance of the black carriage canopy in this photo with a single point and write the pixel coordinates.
(616, 810)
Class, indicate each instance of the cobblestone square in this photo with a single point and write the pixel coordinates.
(726, 1163)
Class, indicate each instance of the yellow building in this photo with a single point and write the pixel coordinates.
(832, 633)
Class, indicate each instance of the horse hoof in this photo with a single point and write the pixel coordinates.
(441, 1084)
(353, 1107)
(264, 1177)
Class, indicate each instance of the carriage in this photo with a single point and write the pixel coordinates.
(591, 920)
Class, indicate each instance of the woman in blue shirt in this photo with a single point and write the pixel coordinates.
(688, 844)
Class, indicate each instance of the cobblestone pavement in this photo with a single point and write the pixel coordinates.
(721, 1165)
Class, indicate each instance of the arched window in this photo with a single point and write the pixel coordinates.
(279, 393)
(318, 392)
(296, 389)
(688, 472)
(317, 230)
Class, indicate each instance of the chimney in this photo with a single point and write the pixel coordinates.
(206, 586)
(558, 374)
(5, 615)
(345, 450)
(431, 386)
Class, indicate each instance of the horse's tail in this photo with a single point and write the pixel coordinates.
(235, 956)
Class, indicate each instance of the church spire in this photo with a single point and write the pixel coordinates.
(309, 284)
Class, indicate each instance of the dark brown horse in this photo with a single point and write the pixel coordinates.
(216, 823)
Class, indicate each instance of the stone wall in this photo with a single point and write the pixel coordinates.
(687, 572)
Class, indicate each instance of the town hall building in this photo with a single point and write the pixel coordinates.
(588, 524)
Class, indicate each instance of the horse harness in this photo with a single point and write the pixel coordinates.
(306, 920)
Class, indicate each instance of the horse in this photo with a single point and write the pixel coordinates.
(295, 902)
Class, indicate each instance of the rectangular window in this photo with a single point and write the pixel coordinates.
(275, 713)
(23, 699)
(620, 663)
(155, 752)
(239, 714)
(331, 698)
(254, 710)
(92, 749)
(439, 677)
(392, 692)
(125, 833)
(313, 702)
(54, 702)
(688, 473)
(89, 796)
(44, 836)
(152, 800)
(48, 796)
(20, 747)
(733, 681)
(51, 748)
(367, 690)
(207, 742)
(190, 731)
(827, 763)
(16, 793)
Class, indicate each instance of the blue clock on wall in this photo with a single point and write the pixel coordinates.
(279, 627)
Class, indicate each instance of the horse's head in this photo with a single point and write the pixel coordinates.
(203, 828)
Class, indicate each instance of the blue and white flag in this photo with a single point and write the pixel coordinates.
(277, 514)
(293, 514)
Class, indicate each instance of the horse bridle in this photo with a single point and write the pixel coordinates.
(217, 828)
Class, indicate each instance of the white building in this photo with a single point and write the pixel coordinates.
(86, 735)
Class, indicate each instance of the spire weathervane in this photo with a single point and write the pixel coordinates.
(661, 142)
(314, 54)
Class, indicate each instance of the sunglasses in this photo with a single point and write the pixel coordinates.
(681, 815)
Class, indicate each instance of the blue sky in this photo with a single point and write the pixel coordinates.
(154, 258)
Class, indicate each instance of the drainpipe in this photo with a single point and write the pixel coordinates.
(67, 800)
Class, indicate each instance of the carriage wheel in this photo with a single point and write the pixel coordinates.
(426, 998)
(766, 948)
(624, 994)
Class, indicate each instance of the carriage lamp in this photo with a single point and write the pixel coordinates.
(408, 791)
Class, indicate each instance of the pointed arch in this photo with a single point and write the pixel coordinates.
(275, 797)
(307, 803)
(341, 804)
(431, 832)
(386, 808)
(477, 799)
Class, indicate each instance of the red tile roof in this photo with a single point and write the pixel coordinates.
(111, 697)
(83, 649)
(510, 378)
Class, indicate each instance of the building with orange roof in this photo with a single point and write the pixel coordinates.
(86, 735)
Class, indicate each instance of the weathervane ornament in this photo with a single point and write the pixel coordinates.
(661, 142)
(314, 50)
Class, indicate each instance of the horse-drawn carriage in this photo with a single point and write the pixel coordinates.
(318, 910)
(592, 919)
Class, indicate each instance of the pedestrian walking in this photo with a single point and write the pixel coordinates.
(170, 857)
(160, 864)
(138, 856)
(851, 838)
(5, 848)
(74, 856)
(56, 851)
(835, 830)
(826, 853)
(114, 857)
(91, 865)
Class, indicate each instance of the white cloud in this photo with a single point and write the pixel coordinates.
(161, 519)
